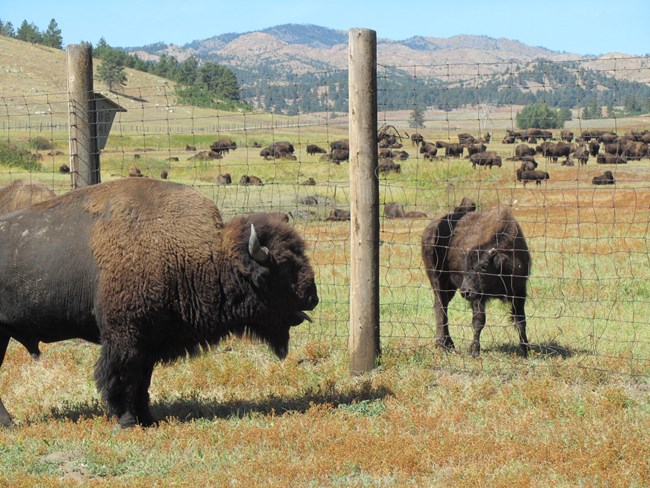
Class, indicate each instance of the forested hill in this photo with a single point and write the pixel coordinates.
(284, 69)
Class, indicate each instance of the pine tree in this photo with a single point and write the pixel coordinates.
(111, 72)
(28, 32)
(52, 36)
(416, 120)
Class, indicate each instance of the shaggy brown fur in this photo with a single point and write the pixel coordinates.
(485, 256)
(154, 275)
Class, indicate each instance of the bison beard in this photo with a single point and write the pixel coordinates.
(152, 275)
(485, 256)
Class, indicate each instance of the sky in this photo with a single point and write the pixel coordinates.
(573, 26)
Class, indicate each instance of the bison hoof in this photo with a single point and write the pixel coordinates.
(475, 349)
(446, 344)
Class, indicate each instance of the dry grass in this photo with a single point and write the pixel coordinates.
(238, 417)
(576, 413)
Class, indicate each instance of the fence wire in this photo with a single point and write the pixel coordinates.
(589, 289)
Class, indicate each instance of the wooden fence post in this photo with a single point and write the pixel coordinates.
(84, 155)
(364, 202)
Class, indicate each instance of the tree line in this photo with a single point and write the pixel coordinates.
(29, 32)
(267, 87)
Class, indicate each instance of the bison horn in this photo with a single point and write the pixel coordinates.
(258, 252)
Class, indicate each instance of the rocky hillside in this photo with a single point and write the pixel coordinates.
(307, 48)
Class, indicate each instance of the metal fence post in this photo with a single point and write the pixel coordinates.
(364, 202)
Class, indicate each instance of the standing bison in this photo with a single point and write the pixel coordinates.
(485, 256)
(147, 269)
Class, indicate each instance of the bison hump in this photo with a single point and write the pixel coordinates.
(494, 227)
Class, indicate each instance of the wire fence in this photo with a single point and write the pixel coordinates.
(589, 289)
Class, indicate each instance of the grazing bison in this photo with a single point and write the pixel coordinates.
(486, 158)
(485, 256)
(21, 194)
(607, 178)
(155, 275)
(338, 155)
(532, 175)
(386, 166)
(340, 144)
(416, 139)
(524, 150)
(315, 149)
(223, 145)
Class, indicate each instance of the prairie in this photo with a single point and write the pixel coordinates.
(575, 413)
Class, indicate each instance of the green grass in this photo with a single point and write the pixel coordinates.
(576, 412)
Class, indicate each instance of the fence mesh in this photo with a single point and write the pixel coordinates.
(589, 290)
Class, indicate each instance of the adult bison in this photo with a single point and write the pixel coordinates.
(147, 269)
(223, 145)
(485, 256)
(486, 158)
(22, 193)
(607, 178)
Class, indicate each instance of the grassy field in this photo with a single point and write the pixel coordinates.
(575, 413)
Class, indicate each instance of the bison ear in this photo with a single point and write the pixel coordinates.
(258, 252)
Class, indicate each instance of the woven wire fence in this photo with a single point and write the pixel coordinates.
(589, 290)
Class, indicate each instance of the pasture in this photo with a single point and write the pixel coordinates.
(575, 413)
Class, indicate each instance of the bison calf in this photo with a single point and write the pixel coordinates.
(485, 256)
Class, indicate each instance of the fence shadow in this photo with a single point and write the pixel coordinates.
(191, 408)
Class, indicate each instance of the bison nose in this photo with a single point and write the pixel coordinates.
(312, 301)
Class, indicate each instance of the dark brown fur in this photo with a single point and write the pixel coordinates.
(155, 276)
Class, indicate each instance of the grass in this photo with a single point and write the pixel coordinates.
(575, 413)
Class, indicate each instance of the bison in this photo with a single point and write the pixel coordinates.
(21, 194)
(315, 149)
(485, 256)
(532, 175)
(607, 178)
(223, 145)
(155, 276)
(338, 215)
(250, 180)
(486, 158)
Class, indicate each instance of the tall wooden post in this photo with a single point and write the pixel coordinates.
(364, 202)
(84, 154)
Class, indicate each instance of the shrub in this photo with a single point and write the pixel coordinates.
(17, 157)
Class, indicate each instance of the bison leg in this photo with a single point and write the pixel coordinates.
(443, 338)
(124, 382)
(143, 413)
(5, 418)
(519, 319)
(478, 322)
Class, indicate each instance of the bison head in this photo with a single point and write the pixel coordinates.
(484, 273)
(280, 277)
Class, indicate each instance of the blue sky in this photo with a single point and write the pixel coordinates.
(574, 26)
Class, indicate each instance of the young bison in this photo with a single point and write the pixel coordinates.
(485, 256)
